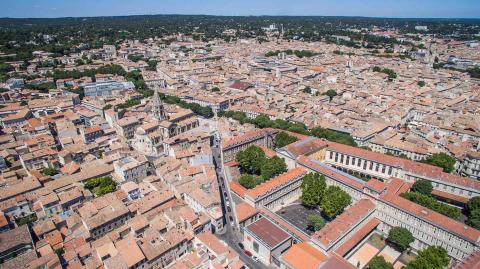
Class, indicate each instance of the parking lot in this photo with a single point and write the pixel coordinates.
(297, 214)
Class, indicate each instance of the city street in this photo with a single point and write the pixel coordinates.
(230, 234)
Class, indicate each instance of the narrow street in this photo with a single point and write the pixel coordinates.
(230, 233)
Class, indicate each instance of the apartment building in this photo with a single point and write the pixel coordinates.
(277, 191)
(263, 137)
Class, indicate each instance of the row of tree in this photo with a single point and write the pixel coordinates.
(391, 74)
(432, 203)
(282, 139)
(332, 199)
(263, 121)
(298, 53)
(257, 167)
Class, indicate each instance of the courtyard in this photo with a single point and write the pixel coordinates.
(296, 213)
(375, 245)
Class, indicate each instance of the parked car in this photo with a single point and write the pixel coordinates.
(248, 253)
(254, 258)
(240, 245)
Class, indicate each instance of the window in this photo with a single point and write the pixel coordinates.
(371, 166)
(331, 155)
(255, 247)
(347, 160)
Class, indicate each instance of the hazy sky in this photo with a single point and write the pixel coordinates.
(373, 8)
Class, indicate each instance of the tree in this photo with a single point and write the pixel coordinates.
(23, 103)
(251, 159)
(315, 221)
(422, 186)
(433, 257)
(334, 136)
(215, 89)
(307, 89)
(313, 189)
(330, 94)
(401, 238)
(379, 262)
(48, 171)
(474, 203)
(262, 121)
(152, 65)
(474, 219)
(421, 83)
(249, 181)
(473, 207)
(107, 106)
(272, 167)
(101, 185)
(431, 203)
(442, 160)
(334, 201)
(282, 139)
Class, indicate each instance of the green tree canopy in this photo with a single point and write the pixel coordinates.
(379, 262)
(315, 221)
(334, 201)
(313, 189)
(473, 203)
(422, 186)
(474, 219)
(262, 121)
(334, 136)
(49, 171)
(307, 89)
(272, 167)
(442, 160)
(431, 203)
(473, 207)
(433, 257)
(421, 83)
(282, 139)
(250, 181)
(330, 94)
(251, 159)
(401, 238)
(101, 185)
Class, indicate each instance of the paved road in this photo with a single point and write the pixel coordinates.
(230, 233)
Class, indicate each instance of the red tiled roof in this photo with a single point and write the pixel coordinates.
(344, 222)
(248, 136)
(307, 146)
(357, 237)
(471, 262)
(329, 172)
(245, 211)
(450, 196)
(303, 256)
(238, 189)
(431, 216)
(275, 182)
(376, 185)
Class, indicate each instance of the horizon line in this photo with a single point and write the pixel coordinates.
(265, 15)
